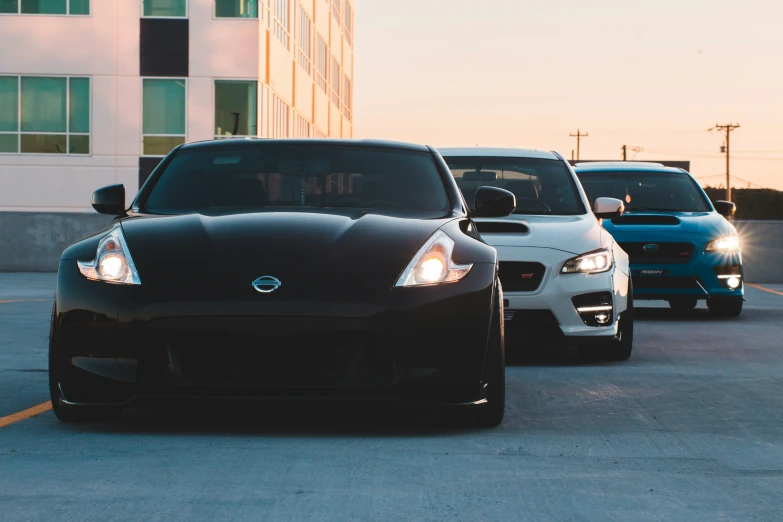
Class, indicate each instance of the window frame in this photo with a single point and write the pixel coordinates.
(347, 96)
(304, 57)
(187, 13)
(322, 80)
(335, 94)
(259, 97)
(279, 29)
(278, 104)
(19, 133)
(67, 11)
(141, 115)
(258, 17)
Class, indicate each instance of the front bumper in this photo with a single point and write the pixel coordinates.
(549, 313)
(419, 345)
(699, 278)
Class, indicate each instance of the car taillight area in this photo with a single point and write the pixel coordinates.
(521, 276)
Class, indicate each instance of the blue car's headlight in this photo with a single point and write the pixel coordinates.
(724, 244)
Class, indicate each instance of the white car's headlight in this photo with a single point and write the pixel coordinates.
(590, 263)
(113, 262)
(724, 244)
(433, 264)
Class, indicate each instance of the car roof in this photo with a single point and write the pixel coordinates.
(494, 152)
(626, 166)
(266, 141)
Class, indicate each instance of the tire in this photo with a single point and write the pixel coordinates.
(65, 412)
(621, 349)
(725, 307)
(491, 414)
(683, 304)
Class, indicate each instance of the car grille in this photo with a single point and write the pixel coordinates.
(521, 277)
(532, 326)
(665, 283)
(666, 254)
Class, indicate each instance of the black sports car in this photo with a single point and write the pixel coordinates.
(279, 269)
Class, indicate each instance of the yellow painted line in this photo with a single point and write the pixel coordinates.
(25, 301)
(765, 289)
(26, 414)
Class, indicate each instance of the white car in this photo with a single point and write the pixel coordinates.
(564, 277)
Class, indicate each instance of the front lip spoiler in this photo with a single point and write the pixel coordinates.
(271, 400)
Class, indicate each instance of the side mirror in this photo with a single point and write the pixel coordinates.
(109, 200)
(494, 202)
(725, 208)
(608, 208)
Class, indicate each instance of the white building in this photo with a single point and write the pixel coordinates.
(95, 92)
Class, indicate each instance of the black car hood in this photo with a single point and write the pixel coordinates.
(196, 249)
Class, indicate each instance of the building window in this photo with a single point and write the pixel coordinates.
(304, 52)
(283, 22)
(336, 10)
(236, 8)
(347, 93)
(279, 117)
(166, 8)
(321, 63)
(335, 80)
(44, 115)
(318, 134)
(348, 22)
(301, 127)
(45, 7)
(236, 108)
(163, 115)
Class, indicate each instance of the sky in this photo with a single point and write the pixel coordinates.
(527, 73)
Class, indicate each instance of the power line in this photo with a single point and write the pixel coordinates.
(579, 137)
(728, 129)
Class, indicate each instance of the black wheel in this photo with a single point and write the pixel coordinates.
(620, 350)
(683, 304)
(490, 415)
(725, 307)
(66, 412)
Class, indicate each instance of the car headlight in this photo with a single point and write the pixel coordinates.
(113, 262)
(724, 244)
(590, 263)
(433, 264)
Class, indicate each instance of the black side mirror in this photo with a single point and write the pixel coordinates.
(109, 200)
(494, 202)
(725, 208)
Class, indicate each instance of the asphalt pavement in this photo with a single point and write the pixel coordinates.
(691, 428)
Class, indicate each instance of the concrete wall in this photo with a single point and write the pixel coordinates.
(33, 242)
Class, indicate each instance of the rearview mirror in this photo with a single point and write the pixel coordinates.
(494, 202)
(608, 208)
(109, 200)
(725, 208)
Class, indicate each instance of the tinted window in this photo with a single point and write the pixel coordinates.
(541, 186)
(664, 191)
(296, 175)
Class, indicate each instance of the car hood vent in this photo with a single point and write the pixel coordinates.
(646, 220)
(501, 227)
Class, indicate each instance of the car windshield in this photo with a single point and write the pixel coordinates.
(272, 175)
(646, 191)
(541, 186)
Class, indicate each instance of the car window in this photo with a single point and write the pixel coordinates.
(296, 175)
(662, 191)
(541, 186)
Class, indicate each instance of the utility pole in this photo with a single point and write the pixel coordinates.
(625, 152)
(578, 137)
(728, 129)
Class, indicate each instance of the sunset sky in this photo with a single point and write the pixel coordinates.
(527, 73)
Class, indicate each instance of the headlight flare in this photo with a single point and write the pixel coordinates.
(591, 263)
(433, 264)
(113, 262)
(724, 244)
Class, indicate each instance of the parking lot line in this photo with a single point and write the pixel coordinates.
(765, 289)
(26, 414)
(24, 301)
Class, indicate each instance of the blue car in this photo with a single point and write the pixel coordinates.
(682, 249)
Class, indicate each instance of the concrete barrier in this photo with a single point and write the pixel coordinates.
(33, 242)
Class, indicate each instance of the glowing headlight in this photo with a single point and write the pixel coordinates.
(592, 263)
(433, 264)
(724, 244)
(113, 262)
